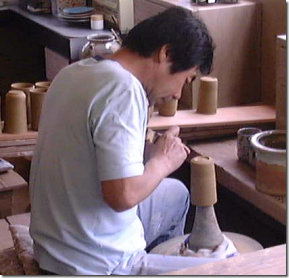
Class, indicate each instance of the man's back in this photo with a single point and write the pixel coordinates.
(74, 230)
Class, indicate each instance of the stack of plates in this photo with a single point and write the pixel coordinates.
(76, 14)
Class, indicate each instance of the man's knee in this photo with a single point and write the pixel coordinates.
(176, 191)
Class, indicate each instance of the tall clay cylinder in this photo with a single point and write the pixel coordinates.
(208, 95)
(37, 96)
(15, 116)
(203, 181)
(25, 87)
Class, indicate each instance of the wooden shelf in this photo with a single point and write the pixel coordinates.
(238, 176)
(225, 117)
(14, 145)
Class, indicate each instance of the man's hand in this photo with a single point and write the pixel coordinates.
(169, 149)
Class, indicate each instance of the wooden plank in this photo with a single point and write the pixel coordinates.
(5, 236)
(239, 177)
(11, 180)
(226, 117)
(21, 219)
(269, 261)
(22, 136)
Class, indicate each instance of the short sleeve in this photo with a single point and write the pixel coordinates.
(119, 136)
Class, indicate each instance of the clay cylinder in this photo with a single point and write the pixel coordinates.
(43, 84)
(208, 95)
(168, 108)
(25, 87)
(15, 116)
(37, 96)
(203, 181)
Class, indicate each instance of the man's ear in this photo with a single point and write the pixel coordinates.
(163, 54)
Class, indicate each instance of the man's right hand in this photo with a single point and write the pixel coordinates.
(170, 150)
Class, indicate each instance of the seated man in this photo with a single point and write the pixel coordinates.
(96, 204)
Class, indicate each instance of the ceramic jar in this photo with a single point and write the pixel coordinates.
(270, 147)
(99, 44)
(37, 96)
(245, 151)
(15, 114)
(25, 87)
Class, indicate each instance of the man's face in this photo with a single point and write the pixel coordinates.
(168, 85)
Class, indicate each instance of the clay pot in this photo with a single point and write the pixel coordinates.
(43, 84)
(15, 116)
(270, 147)
(245, 151)
(208, 95)
(37, 96)
(25, 87)
(168, 108)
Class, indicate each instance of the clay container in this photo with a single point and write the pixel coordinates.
(270, 147)
(203, 181)
(15, 116)
(168, 108)
(43, 84)
(37, 96)
(208, 95)
(245, 151)
(25, 87)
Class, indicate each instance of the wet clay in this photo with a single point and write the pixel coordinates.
(203, 181)
(270, 178)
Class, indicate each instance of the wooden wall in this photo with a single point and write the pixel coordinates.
(245, 57)
(273, 23)
(237, 60)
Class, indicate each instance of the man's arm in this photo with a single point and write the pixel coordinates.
(168, 155)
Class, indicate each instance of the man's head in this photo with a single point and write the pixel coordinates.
(188, 40)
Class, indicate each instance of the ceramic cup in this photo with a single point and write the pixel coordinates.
(208, 95)
(244, 147)
(168, 108)
(43, 84)
(37, 96)
(25, 87)
(15, 112)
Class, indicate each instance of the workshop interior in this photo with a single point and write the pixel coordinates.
(233, 121)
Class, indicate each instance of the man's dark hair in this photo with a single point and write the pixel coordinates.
(189, 41)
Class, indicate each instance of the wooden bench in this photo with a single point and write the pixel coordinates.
(14, 196)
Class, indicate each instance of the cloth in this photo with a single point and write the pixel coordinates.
(92, 128)
(225, 250)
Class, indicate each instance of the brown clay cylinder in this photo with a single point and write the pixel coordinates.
(15, 116)
(208, 95)
(168, 108)
(43, 84)
(203, 181)
(25, 87)
(37, 96)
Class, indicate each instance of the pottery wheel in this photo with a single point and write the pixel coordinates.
(243, 244)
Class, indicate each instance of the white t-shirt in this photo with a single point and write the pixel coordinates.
(92, 129)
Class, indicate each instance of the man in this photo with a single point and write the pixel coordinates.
(96, 205)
